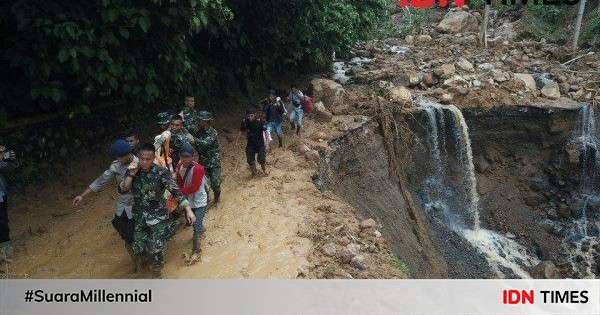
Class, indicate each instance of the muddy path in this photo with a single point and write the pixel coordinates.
(265, 227)
(252, 233)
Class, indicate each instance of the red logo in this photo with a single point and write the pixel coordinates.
(517, 297)
(426, 4)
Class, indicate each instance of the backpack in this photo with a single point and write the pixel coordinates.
(307, 104)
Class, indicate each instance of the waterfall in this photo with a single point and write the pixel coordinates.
(462, 217)
(581, 238)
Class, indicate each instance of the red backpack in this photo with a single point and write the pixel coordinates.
(307, 104)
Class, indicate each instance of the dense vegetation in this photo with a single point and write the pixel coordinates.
(71, 57)
(84, 67)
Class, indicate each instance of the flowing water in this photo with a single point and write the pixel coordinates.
(459, 201)
(585, 232)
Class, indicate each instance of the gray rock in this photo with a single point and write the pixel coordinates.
(465, 65)
(423, 39)
(321, 113)
(367, 224)
(527, 80)
(457, 22)
(358, 262)
(400, 95)
(545, 270)
(445, 71)
(551, 90)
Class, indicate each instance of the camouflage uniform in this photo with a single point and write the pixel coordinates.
(190, 118)
(207, 145)
(154, 226)
(177, 141)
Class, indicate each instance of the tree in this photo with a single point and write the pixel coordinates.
(578, 24)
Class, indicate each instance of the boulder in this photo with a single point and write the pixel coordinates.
(457, 22)
(321, 113)
(329, 92)
(409, 39)
(527, 79)
(551, 90)
(465, 65)
(409, 78)
(445, 71)
(545, 270)
(400, 95)
(423, 39)
(358, 262)
(367, 224)
(500, 76)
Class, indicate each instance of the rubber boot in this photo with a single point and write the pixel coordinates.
(134, 259)
(217, 196)
(156, 271)
(5, 252)
(281, 142)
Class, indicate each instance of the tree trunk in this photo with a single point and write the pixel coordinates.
(578, 24)
(484, 26)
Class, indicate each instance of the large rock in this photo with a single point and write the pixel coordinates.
(329, 92)
(321, 113)
(445, 71)
(527, 79)
(551, 90)
(400, 95)
(545, 270)
(464, 65)
(457, 22)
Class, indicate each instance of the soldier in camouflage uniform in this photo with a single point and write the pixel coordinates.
(179, 136)
(206, 141)
(154, 225)
(189, 114)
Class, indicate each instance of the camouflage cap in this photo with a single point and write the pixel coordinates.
(164, 118)
(204, 116)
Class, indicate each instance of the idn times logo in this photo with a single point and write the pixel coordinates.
(427, 4)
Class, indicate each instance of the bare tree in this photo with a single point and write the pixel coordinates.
(578, 23)
(484, 26)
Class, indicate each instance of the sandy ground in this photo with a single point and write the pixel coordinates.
(252, 233)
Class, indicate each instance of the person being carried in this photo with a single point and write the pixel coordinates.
(254, 126)
(153, 223)
(123, 219)
(7, 163)
(191, 180)
(296, 97)
(162, 142)
(206, 142)
(275, 112)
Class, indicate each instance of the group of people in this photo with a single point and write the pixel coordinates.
(160, 182)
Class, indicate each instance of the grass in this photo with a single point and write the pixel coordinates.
(400, 264)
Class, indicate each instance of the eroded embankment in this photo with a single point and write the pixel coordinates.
(409, 169)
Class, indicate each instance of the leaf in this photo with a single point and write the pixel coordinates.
(63, 55)
(124, 32)
(144, 23)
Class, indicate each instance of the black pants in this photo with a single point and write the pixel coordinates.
(124, 226)
(256, 153)
(4, 230)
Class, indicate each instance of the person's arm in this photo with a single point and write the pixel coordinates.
(205, 141)
(197, 175)
(171, 186)
(95, 186)
(132, 170)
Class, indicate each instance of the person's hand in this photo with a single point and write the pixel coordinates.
(190, 138)
(189, 215)
(133, 168)
(77, 200)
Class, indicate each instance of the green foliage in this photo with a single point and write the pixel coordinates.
(64, 54)
(412, 21)
(546, 21)
(400, 264)
(591, 29)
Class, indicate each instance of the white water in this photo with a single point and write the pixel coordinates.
(579, 236)
(499, 251)
(341, 67)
